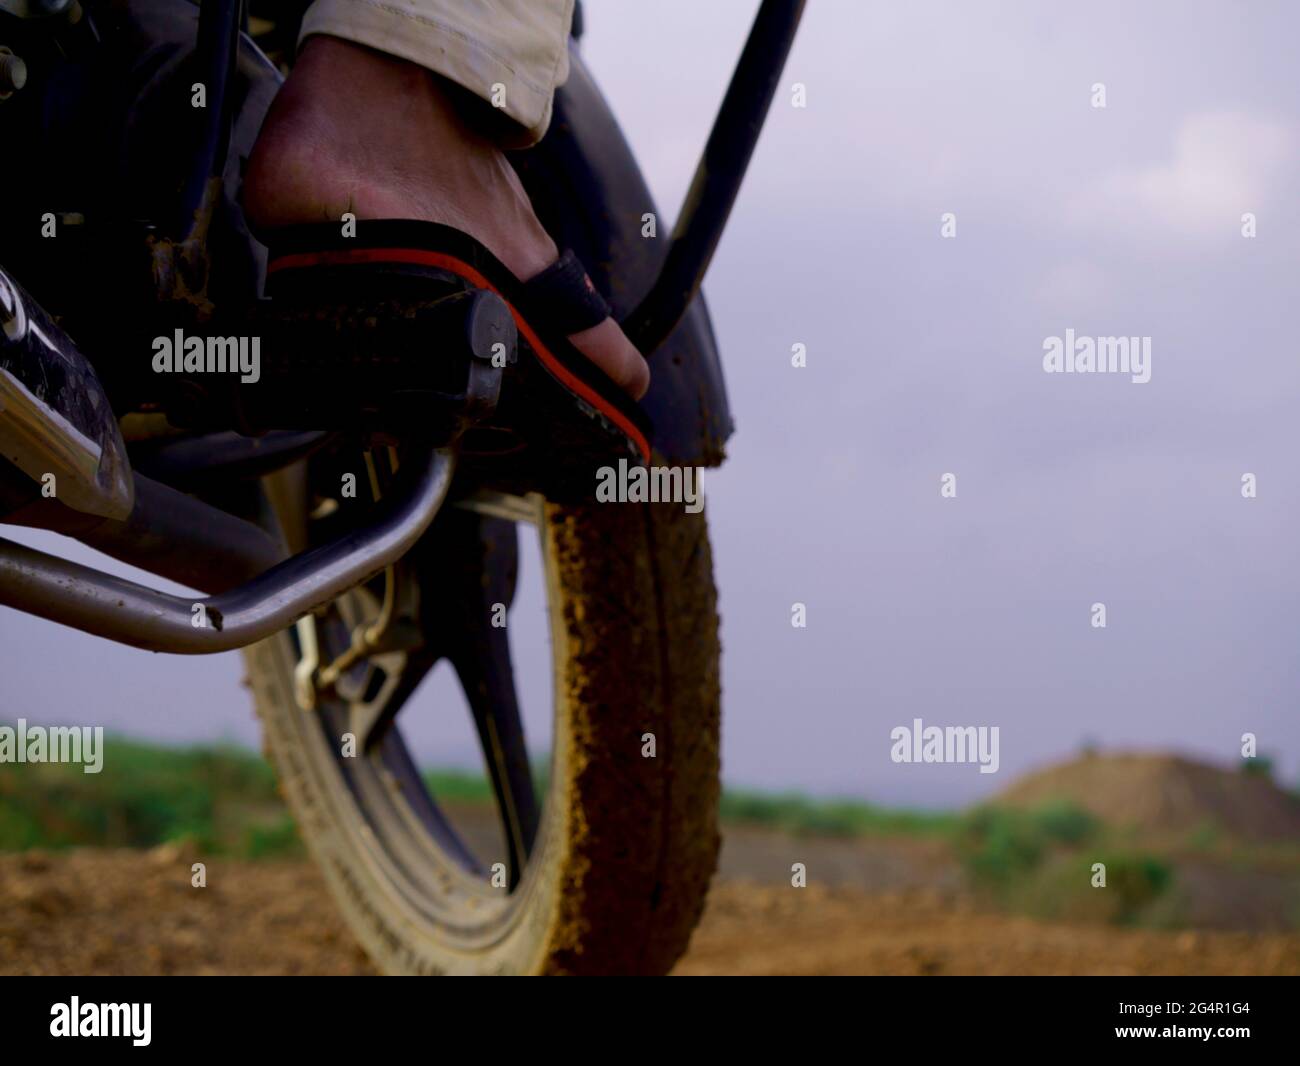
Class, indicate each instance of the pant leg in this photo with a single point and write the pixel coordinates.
(519, 46)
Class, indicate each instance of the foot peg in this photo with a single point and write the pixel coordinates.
(431, 365)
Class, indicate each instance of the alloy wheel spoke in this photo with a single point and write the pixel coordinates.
(475, 579)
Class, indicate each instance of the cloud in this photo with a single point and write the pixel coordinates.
(1224, 163)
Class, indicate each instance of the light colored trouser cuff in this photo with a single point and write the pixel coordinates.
(518, 46)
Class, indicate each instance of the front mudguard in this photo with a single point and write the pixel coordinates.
(588, 190)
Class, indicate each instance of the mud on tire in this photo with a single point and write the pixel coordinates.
(627, 844)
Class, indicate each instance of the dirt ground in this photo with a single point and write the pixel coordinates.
(120, 912)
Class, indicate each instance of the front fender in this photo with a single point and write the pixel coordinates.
(589, 193)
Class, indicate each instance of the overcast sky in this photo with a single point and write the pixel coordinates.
(924, 358)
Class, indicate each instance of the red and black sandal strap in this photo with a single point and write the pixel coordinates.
(563, 297)
(547, 308)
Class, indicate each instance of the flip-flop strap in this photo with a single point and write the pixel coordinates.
(564, 296)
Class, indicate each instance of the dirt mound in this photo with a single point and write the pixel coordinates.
(1163, 794)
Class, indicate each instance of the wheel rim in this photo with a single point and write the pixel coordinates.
(467, 561)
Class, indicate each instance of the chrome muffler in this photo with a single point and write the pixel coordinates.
(57, 427)
(56, 424)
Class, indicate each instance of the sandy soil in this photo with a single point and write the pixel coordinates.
(107, 912)
(767, 930)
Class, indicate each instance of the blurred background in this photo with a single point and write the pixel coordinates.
(924, 358)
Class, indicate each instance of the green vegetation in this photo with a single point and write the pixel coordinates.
(802, 816)
(223, 798)
(999, 846)
(459, 786)
(1259, 766)
(1043, 862)
(468, 788)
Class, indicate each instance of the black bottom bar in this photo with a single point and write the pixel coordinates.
(886, 1017)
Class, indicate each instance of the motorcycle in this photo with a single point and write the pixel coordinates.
(347, 488)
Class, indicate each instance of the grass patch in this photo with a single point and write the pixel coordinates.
(797, 814)
(1041, 862)
(999, 845)
(225, 800)
(459, 786)
(222, 798)
(468, 788)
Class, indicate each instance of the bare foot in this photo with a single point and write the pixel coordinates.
(356, 130)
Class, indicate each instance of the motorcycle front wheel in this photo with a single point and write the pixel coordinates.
(606, 863)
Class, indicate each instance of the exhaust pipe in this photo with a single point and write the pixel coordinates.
(55, 418)
(106, 606)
